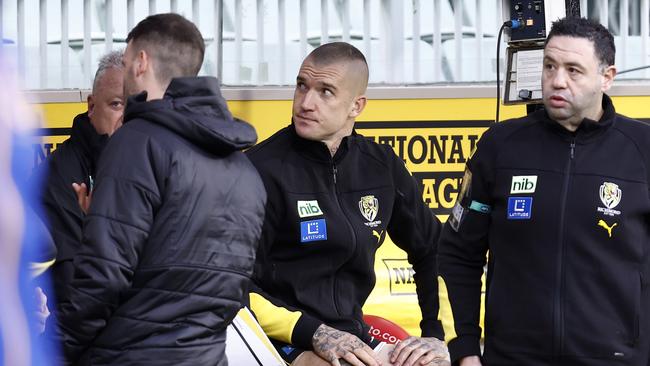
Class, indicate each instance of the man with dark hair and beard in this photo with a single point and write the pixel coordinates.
(172, 231)
(560, 199)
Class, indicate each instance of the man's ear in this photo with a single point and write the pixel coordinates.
(142, 62)
(91, 105)
(608, 78)
(358, 106)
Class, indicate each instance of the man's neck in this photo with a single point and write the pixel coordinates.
(333, 149)
(334, 143)
(333, 146)
(573, 124)
(154, 93)
(155, 90)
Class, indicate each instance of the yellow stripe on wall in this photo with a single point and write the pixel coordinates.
(394, 295)
(437, 110)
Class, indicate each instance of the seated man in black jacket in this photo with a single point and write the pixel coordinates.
(75, 161)
(170, 239)
(333, 197)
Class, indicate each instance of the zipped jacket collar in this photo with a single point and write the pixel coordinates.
(317, 150)
(588, 129)
(88, 140)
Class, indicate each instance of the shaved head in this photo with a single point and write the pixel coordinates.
(346, 54)
(330, 93)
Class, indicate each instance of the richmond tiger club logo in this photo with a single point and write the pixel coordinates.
(610, 195)
(369, 207)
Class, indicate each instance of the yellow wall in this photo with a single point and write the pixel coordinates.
(416, 129)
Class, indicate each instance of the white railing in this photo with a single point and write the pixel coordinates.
(262, 42)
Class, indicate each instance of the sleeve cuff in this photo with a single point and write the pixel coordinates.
(464, 346)
(304, 331)
(432, 328)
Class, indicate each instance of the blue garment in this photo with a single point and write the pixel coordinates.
(33, 247)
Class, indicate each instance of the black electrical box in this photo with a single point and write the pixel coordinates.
(531, 15)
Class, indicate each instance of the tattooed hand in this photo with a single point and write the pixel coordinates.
(420, 351)
(333, 344)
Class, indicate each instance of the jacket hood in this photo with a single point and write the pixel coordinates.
(193, 108)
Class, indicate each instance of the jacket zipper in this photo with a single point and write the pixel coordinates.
(353, 236)
(559, 311)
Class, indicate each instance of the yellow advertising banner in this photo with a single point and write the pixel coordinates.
(434, 137)
(435, 152)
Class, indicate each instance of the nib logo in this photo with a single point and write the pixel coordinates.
(308, 208)
(523, 184)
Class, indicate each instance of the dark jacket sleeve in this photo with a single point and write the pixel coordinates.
(281, 321)
(415, 229)
(60, 212)
(462, 253)
(116, 229)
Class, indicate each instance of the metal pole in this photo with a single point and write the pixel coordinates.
(238, 40)
(303, 28)
(87, 43)
(42, 12)
(416, 40)
(366, 28)
(458, 38)
(109, 26)
(218, 38)
(261, 75)
(324, 20)
(281, 40)
(65, 43)
(437, 42)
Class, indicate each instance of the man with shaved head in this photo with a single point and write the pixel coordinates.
(333, 196)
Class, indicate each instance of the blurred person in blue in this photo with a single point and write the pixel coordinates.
(25, 248)
(74, 164)
(170, 238)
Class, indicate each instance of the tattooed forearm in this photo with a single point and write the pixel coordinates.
(324, 341)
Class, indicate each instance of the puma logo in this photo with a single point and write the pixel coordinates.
(607, 227)
(377, 234)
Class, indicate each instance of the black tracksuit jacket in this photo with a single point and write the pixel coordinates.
(74, 161)
(169, 242)
(568, 238)
(329, 278)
